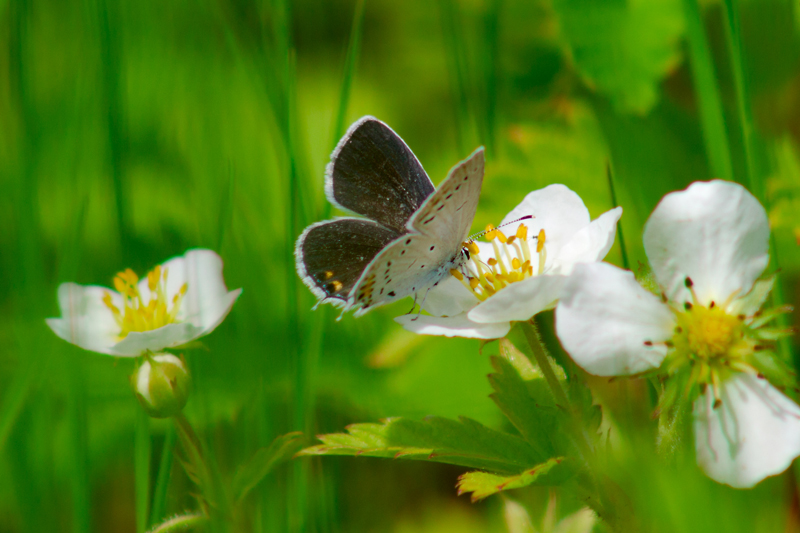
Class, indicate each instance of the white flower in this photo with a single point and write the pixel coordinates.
(707, 246)
(513, 278)
(177, 302)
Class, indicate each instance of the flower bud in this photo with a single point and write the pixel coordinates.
(161, 385)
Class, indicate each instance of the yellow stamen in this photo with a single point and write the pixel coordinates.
(501, 237)
(540, 241)
(456, 274)
(138, 314)
(522, 232)
(491, 233)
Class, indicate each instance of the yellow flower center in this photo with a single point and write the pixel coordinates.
(710, 333)
(709, 345)
(137, 313)
(512, 262)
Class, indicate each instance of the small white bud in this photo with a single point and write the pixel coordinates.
(161, 385)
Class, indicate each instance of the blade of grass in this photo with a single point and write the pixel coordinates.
(110, 65)
(614, 203)
(350, 61)
(226, 208)
(162, 480)
(733, 40)
(754, 178)
(141, 465)
(704, 80)
(491, 62)
(457, 66)
(14, 398)
(79, 450)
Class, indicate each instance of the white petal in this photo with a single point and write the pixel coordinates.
(556, 209)
(755, 433)
(519, 301)
(449, 298)
(85, 319)
(605, 317)
(453, 326)
(590, 244)
(207, 300)
(137, 342)
(714, 232)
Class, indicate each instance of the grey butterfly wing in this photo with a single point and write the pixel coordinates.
(420, 259)
(410, 264)
(448, 213)
(332, 255)
(375, 174)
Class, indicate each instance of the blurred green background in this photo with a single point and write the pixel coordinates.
(132, 131)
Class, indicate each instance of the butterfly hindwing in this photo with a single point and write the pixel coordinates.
(373, 173)
(412, 263)
(332, 255)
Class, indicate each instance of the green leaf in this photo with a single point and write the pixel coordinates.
(483, 484)
(528, 404)
(463, 442)
(623, 48)
(263, 462)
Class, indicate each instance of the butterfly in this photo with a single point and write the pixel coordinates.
(410, 235)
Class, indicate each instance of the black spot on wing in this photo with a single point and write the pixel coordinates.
(376, 175)
(336, 253)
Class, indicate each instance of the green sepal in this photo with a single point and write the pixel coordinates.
(483, 484)
(462, 442)
(249, 474)
(775, 369)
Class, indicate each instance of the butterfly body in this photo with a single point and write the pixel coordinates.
(412, 236)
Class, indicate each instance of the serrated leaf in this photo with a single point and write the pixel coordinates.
(529, 405)
(263, 462)
(623, 48)
(483, 484)
(519, 361)
(463, 442)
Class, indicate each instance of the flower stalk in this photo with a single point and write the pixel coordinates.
(540, 354)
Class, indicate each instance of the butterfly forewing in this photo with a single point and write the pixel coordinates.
(418, 260)
(448, 214)
(373, 173)
(332, 255)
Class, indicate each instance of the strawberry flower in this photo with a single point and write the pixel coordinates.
(520, 271)
(707, 335)
(177, 302)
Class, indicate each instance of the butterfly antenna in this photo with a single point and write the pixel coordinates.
(484, 232)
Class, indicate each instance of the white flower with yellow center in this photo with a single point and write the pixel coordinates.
(520, 271)
(707, 246)
(177, 302)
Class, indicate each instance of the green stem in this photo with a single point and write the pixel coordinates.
(540, 354)
(162, 481)
(142, 470)
(198, 469)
